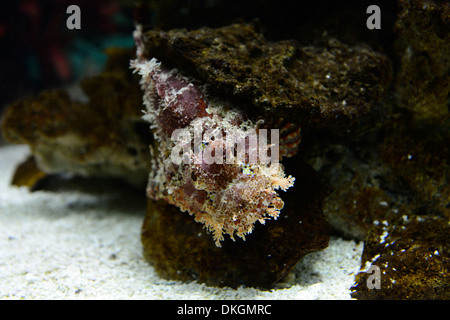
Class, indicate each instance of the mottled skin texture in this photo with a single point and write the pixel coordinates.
(181, 249)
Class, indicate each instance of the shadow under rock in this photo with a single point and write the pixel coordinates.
(121, 196)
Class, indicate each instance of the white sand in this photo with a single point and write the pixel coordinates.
(74, 244)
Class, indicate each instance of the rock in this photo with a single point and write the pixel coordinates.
(419, 157)
(104, 137)
(403, 169)
(181, 249)
(364, 189)
(325, 85)
(27, 174)
(412, 255)
(423, 45)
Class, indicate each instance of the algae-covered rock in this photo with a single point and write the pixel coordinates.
(412, 257)
(325, 85)
(420, 157)
(181, 249)
(28, 174)
(364, 188)
(403, 169)
(103, 137)
(423, 44)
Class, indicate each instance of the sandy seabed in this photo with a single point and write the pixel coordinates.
(83, 242)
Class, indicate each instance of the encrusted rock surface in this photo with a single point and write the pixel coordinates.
(326, 85)
(403, 169)
(412, 254)
(28, 174)
(424, 48)
(420, 157)
(364, 189)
